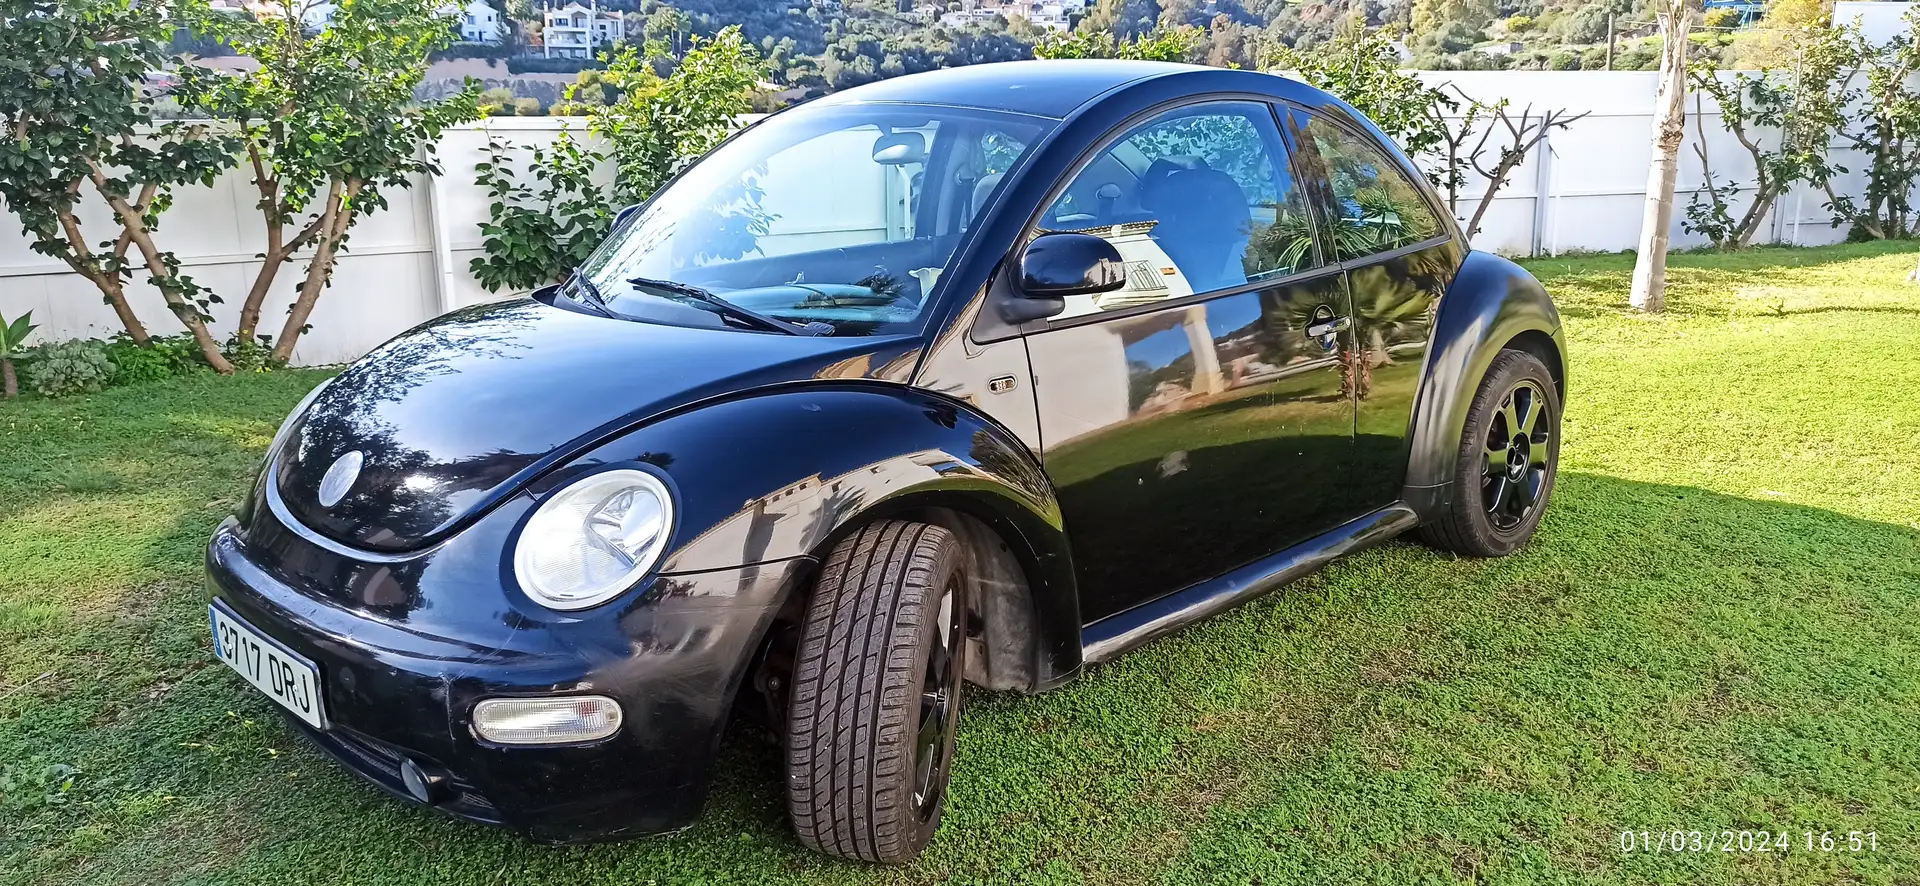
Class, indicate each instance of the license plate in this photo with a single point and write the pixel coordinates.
(288, 679)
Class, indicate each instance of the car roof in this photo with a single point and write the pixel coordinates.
(1044, 88)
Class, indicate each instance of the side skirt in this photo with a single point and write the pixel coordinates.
(1107, 638)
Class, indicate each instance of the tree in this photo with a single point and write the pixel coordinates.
(658, 124)
(538, 231)
(1771, 44)
(1669, 130)
(1804, 103)
(78, 117)
(1886, 123)
(1521, 137)
(1125, 19)
(328, 123)
(1363, 69)
(1160, 45)
(12, 336)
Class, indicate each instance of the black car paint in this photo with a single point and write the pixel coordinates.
(776, 446)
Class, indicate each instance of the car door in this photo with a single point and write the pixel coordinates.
(1194, 420)
(1398, 258)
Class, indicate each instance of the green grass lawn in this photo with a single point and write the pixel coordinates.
(1717, 628)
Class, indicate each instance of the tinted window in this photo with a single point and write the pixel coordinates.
(1376, 207)
(1196, 199)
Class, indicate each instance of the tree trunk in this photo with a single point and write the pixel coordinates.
(1756, 213)
(1669, 130)
(332, 229)
(136, 228)
(109, 286)
(8, 382)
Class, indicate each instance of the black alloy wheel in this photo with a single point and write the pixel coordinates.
(1515, 476)
(1509, 453)
(939, 704)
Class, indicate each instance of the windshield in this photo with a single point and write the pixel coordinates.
(843, 215)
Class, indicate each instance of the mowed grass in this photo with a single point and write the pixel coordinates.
(1717, 628)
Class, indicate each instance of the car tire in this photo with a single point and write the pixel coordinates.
(1508, 457)
(876, 693)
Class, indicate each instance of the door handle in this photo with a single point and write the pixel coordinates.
(1328, 327)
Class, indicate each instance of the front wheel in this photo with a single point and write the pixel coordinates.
(876, 693)
(1509, 452)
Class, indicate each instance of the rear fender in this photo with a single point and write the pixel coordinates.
(1492, 304)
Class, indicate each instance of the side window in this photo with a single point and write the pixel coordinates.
(1376, 207)
(1196, 200)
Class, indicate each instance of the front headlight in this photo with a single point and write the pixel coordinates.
(593, 539)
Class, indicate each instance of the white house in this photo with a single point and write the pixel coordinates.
(576, 30)
(1054, 15)
(480, 22)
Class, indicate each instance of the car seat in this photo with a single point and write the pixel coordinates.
(1203, 220)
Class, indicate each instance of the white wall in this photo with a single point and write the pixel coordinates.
(409, 263)
(1584, 187)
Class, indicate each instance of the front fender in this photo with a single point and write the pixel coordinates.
(1491, 304)
(785, 471)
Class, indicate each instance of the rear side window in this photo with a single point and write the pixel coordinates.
(1375, 207)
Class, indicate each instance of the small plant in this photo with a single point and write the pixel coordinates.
(11, 335)
(35, 783)
(69, 367)
(160, 358)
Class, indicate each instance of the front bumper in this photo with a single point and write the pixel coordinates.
(400, 680)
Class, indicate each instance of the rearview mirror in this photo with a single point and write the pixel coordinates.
(900, 149)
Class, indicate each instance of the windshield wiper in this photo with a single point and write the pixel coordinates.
(590, 294)
(696, 293)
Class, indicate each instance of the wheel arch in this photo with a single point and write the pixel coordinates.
(789, 472)
(1491, 305)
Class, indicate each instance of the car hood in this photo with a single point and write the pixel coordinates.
(460, 413)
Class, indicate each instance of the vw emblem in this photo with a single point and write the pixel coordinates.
(339, 478)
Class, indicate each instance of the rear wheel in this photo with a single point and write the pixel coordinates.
(876, 693)
(1509, 453)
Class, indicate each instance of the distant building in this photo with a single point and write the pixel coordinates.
(576, 30)
(480, 22)
(1054, 15)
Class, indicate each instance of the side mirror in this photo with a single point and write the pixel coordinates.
(1058, 265)
(620, 218)
(1055, 266)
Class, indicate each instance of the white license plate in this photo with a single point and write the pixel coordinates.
(285, 677)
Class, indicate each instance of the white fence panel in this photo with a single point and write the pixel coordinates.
(1581, 190)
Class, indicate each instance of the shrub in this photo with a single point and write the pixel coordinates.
(1519, 24)
(134, 363)
(1722, 18)
(527, 107)
(68, 367)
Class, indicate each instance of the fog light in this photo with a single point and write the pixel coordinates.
(560, 720)
(425, 786)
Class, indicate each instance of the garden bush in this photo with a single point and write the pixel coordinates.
(161, 357)
(68, 367)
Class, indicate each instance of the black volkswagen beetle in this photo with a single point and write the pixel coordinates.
(982, 375)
